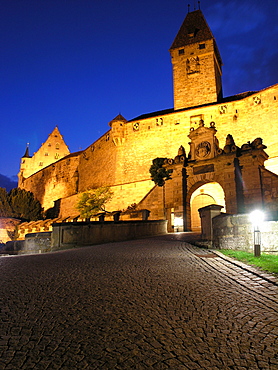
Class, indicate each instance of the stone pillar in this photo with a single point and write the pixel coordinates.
(206, 214)
(250, 162)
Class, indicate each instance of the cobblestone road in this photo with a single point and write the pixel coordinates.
(154, 303)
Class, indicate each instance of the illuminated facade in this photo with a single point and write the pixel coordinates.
(53, 149)
(121, 158)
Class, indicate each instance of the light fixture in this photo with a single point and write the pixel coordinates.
(257, 218)
(178, 223)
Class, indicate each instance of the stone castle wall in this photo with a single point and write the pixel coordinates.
(56, 181)
(122, 158)
(97, 166)
(270, 191)
(236, 232)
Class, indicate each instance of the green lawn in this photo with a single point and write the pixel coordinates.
(266, 262)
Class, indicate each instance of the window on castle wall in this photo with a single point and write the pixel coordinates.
(41, 163)
(181, 52)
(159, 121)
(56, 155)
(202, 46)
(196, 120)
(46, 154)
(136, 126)
(57, 146)
(223, 109)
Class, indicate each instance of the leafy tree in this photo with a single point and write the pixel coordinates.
(24, 205)
(92, 201)
(159, 174)
(5, 208)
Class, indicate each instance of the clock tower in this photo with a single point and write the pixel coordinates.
(196, 64)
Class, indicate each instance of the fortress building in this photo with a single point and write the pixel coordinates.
(214, 168)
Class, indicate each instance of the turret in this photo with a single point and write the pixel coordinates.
(118, 129)
(24, 165)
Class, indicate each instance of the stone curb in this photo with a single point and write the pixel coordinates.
(256, 271)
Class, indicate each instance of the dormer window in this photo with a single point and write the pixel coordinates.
(192, 31)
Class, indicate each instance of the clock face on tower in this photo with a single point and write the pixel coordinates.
(203, 150)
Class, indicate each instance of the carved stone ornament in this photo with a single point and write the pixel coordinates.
(203, 149)
(257, 100)
(136, 126)
(181, 151)
(223, 109)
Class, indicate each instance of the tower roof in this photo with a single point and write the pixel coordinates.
(194, 29)
(118, 118)
(26, 154)
(55, 132)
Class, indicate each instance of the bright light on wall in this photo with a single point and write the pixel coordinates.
(256, 217)
(178, 221)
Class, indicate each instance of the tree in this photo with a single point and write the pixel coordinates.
(5, 208)
(24, 205)
(159, 174)
(92, 201)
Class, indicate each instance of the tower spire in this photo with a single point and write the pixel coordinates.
(26, 154)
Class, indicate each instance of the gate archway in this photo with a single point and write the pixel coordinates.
(204, 195)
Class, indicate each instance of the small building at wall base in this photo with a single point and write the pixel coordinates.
(230, 169)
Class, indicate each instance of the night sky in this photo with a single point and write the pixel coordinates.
(76, 64)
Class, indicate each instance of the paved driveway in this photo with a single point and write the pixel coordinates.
(155, 303)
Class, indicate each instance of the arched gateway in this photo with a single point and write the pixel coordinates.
(232, 177)
(206, 194)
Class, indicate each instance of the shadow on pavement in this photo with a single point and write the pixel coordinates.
(189, 237)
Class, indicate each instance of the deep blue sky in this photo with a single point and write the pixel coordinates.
(78, 63)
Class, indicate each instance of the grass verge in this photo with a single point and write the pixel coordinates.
(266, 262)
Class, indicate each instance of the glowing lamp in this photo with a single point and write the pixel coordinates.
(178, 222)
(257, 217)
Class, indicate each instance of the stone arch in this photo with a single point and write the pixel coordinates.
(201, 193)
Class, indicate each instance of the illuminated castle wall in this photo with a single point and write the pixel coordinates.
(53, 149)
(121, 158)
